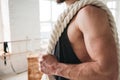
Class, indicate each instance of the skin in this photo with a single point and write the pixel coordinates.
(93, 44)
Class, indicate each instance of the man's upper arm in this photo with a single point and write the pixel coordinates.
(100, 44)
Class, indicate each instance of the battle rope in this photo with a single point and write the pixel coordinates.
(67, 15)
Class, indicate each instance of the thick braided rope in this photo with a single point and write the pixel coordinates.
(68, 14)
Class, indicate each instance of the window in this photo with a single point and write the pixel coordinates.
(49, 12)
(114, 6)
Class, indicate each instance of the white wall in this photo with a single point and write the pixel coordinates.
(24, 24)
(24, 16)
(24, 21)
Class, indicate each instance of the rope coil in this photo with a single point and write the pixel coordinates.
(67, 15)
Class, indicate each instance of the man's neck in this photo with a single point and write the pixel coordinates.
(69, 2)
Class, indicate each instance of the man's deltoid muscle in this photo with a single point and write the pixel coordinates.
(83, 44)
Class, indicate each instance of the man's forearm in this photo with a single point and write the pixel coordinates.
(82, 71)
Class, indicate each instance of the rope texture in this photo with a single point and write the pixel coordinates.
(67, 15)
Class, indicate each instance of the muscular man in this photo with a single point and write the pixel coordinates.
(86, 49)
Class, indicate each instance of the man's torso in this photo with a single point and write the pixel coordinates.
(76, 39)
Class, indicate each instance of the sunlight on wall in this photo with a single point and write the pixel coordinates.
(5, 19)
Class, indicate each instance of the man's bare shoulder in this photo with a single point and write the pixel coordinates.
(92, 17)
(91, 10)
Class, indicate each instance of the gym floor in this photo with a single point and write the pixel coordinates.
(21, 76)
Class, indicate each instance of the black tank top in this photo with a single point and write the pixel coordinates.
(64, 52)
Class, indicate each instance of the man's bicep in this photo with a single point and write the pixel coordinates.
(100, 48)
(98, 37)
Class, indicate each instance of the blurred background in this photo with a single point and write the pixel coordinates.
(25, 26)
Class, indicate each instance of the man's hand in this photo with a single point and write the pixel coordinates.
(48, 64)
